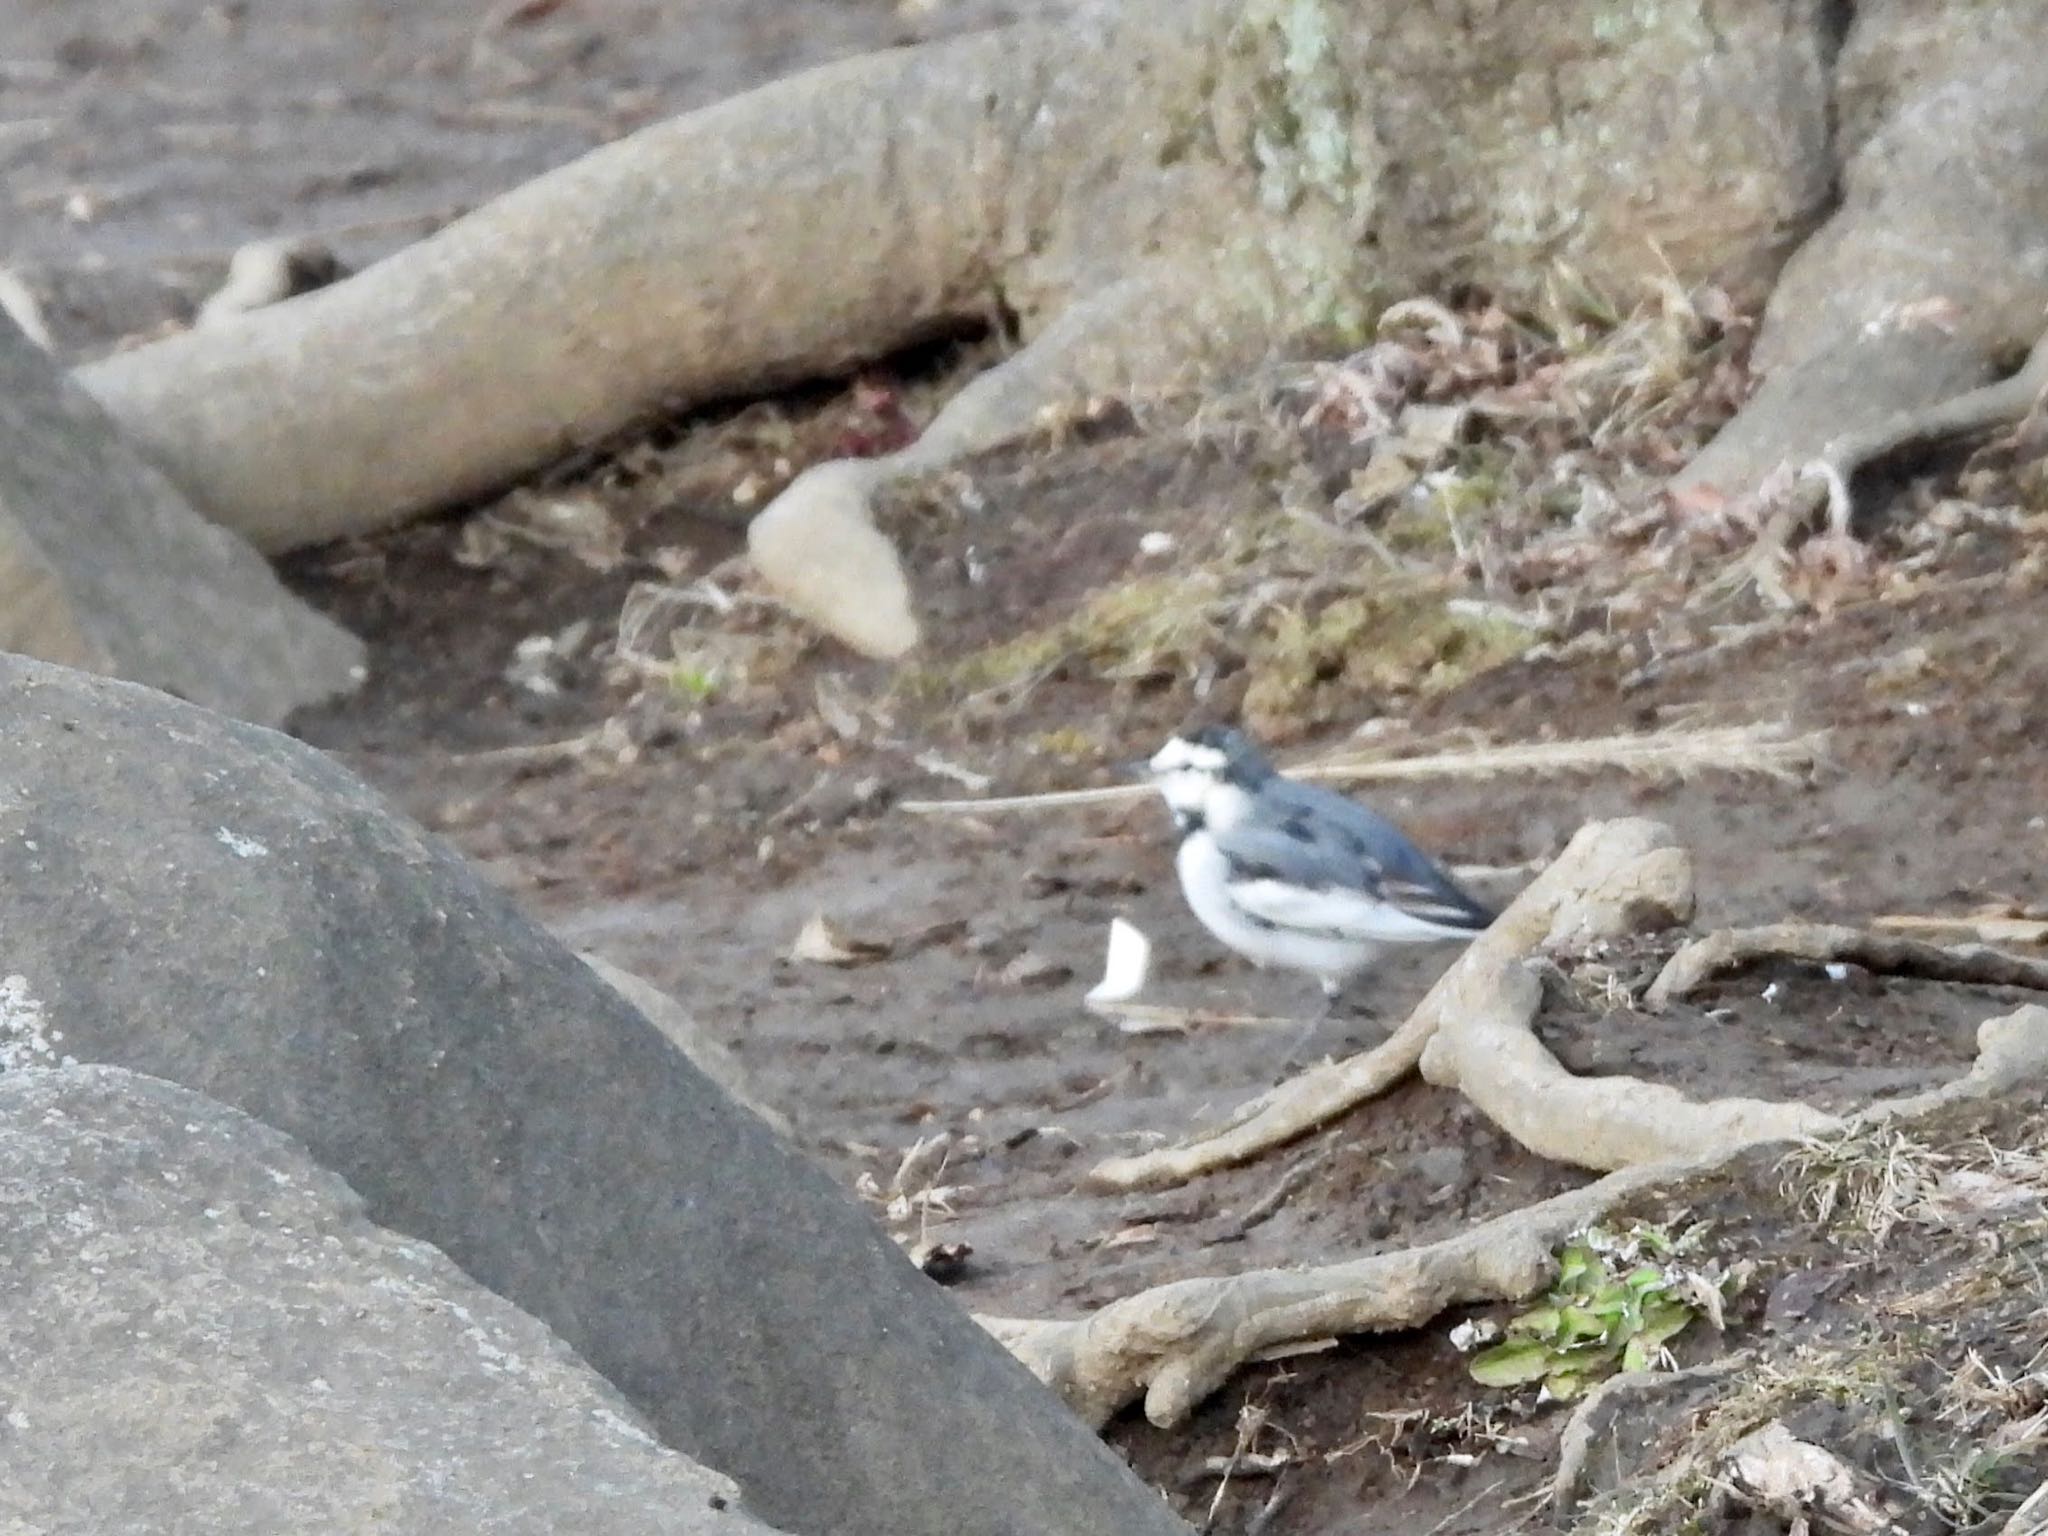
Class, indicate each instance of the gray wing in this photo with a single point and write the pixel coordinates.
(1312, 859)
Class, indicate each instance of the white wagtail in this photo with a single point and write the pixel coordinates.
(1297, 877)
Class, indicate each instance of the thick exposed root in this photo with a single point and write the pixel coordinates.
(1176, 1343)
(1614, 878)
(1488, 1050)
(1150, 188)
(789, 232)
(2012, 1051)
(1823, 484)
(1887, 328)
(1825, 943)
(1592, 1426)
(817, 544)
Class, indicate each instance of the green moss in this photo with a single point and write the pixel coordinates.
(1069, 744)
(1478, 479)
(1166, 623)
(1309, 670)
(694, 682)
(1418, 528)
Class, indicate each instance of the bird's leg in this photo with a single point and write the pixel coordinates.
(1333, 995)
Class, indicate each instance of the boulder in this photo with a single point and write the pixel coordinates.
(211, 903)
(105, 566)
(683, 1031)
(201, 1331)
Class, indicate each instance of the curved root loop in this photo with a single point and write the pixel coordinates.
(1177, 1343)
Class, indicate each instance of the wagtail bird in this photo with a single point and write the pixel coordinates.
(1293, 876)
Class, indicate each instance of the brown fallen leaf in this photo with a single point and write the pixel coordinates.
(1131, 1237)
(522, 13)
(820, 943)
(1031, 969)
(947, 930)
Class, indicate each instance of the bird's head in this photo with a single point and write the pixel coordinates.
(1203, 773)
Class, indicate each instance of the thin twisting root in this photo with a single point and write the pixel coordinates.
(1177, 1343)
(1825, 943)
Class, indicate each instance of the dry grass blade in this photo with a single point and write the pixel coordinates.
(1165, 1019)
(1741, 749)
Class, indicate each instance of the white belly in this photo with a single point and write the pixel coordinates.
(1204, 875)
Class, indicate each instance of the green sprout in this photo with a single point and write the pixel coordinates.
(693, 681)
(1618, 1300)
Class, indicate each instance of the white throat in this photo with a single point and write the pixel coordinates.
(1191, 792)
(1190, 778)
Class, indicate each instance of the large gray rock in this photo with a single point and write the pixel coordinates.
(105, 566)
(217, 905)
(200, 1331)
(682, 1030)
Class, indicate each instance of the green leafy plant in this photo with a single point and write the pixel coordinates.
(1618, 1300)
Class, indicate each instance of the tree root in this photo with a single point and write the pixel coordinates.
(1822, 943)
(1886, 329)
(1489, 1052)
(1594, 1421)
(2012, 1051)
(1278, 1116)
(1970, 414)
(785, 233)
(1177, 1343)
(1823, 482)
(1614, 877)
(817, 545)
(1152, 190)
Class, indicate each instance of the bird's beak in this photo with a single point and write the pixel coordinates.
(1137, 769)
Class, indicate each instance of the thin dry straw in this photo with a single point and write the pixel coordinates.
(1762, 749)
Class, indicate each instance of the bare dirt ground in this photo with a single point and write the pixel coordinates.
(577, 686)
